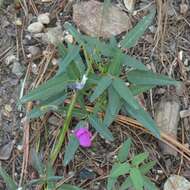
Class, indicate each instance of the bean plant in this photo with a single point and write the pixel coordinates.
(97, 73)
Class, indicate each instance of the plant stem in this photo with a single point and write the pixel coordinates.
(63, 131)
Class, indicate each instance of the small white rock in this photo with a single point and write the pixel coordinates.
(53, 35)
(17, 69)
(20, 147)
(35, 27)
(34, 69)
(54, 61)
(44, 18)
(18, 22)
(69, 38)
(10, 59)
(34, 50)
(176, 182)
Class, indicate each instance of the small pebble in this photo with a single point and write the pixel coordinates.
(20, 147)
(183, 8)
(10, 59)
(34, 69)
(8, 108)
(18, 22)
(44, 18)
(54, 61)
(35, 27)
(34, 50)
(17, 69)
(177, 182)
(69, 38)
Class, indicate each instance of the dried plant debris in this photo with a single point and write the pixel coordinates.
(176, 182)
(95, 19)
(5, 150)
(129, 4)
(167, 118)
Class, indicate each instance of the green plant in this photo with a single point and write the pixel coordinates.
(47, 178)
(134, 171)
(90, 73)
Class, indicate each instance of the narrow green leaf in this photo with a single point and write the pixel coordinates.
(130, 61)
(116, 63)
(71, 55)
(149, 185)
(134, 35)
(119, 170)
(138, 159)
(49, 88)
(72, 30)
(98, 46)
(114, 105)
(124, 150)
(103, 84)
(37, 163)
(81, 124)
(70, 149)
(8, 180)
(136, 178)
(41, 181)
(50, 172)
(126, 184)
(111, 181)
(104, 132)
(145, 168)
(149, 78)
(69, 187)
(138, 89)
(124, 92)
(51, 103)
(144, 118)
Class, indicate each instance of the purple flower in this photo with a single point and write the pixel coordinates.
(84, 136)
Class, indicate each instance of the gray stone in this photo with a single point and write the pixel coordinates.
(94, 19)
(177, 182)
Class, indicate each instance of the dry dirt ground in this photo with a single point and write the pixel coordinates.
(166, 50)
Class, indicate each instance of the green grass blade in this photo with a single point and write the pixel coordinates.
(103, 84)
(70, 149)
(114, 105)
(8, 180)
(104, 131)
(125, 93)
(124, 150)
(136, 178)
(149, 78)
(134, 35)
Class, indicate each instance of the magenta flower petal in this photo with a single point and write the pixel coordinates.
(84, 136)
(85, 141)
